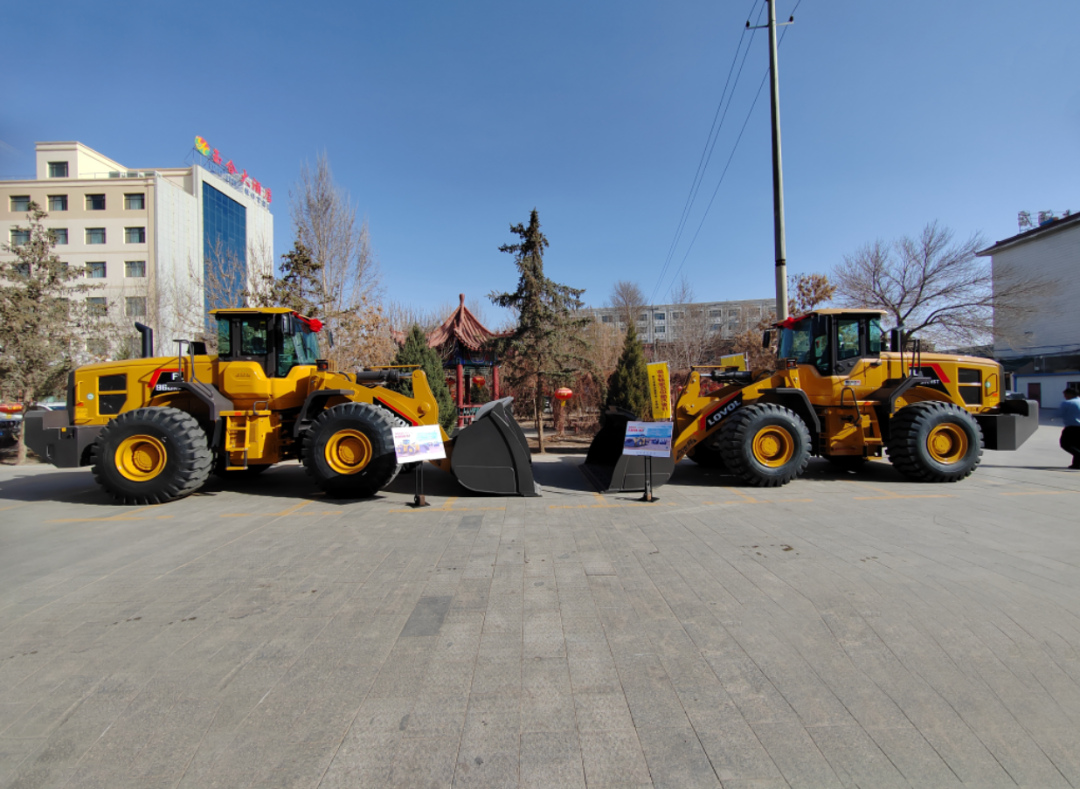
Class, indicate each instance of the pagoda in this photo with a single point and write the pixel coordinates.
(461, 342)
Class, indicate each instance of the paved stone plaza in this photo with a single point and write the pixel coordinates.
(842, 631)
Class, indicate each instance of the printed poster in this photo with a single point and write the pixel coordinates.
(660, 390)
(412, 444)
(652, 439)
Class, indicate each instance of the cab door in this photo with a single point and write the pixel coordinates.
(244, 355)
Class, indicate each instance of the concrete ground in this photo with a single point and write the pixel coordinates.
(845, 630)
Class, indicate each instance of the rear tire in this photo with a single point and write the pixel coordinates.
(932, 441)
(349, 451)
(151, 456)
(766, 445)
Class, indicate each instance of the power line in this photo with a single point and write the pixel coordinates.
(710, 144)
(728, 164)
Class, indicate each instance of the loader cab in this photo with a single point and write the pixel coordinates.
(276, 339)
(832, 341)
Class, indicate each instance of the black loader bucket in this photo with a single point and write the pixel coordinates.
(609, 469)
(491, 455)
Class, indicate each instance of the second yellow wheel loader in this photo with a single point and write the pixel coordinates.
(838, 392)
(155, 428)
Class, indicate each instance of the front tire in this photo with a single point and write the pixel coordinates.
(932, 441)
(766, 445)
(349, 451)
(151, 456)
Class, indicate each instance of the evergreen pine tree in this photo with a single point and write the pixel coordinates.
(299, 287)
(628, 386)
(547, 347)
(415, 350)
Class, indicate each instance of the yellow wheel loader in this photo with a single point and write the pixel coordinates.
(839, 393)
(155, 428)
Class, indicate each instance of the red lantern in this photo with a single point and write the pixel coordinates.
(563, 394)
(451, 382)
(479, 380)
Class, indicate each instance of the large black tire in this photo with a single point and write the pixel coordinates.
(151, 456)
(934, 442)
(709, 454)
(349, 450)
(765, 445)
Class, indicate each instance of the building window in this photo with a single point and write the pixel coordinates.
(59, 235)
(660, 316)
(20, 237)
(134, 235)
(97, 306)
(58, 169)
(135, 268)
(95, 235)
(715, 327)
(606, 319)
(95, 270)
(676, 315)
(716, 313)
(58, 202)
(224, 247)
(659, 330)
(20, 204)
(135, 306)
(135, 202)
(22, 269)
(95, 202)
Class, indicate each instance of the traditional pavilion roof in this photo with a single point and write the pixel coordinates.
(462, 326)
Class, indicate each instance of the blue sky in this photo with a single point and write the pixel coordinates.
(447, 122)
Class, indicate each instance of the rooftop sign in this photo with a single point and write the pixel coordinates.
(240, 181)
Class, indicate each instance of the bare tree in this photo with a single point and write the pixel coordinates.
(628, 299)
(690, 339)
(325, 221)
(934, 286)
(808, 292)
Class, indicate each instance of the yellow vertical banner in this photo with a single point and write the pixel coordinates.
(660, 390)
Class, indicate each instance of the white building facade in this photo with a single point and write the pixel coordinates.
(161, 245)
(664, 322)
(1042, 347)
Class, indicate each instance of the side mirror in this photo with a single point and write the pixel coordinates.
(288, 325)
(767, 339)
(330, 337)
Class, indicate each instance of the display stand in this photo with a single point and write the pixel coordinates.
(647, 496)
(418, 498)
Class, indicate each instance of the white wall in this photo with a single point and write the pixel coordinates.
(1053, 384)
(1054, 326)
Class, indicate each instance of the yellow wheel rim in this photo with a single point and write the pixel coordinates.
(947, 443)
(141, 458)
(773, 446)
(348, 451)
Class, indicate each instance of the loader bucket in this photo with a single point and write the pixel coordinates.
(609, 469)
(491, 455)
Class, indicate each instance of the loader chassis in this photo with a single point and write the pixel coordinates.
(154, 428)
(840, 393)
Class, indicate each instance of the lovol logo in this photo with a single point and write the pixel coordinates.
(398, 418)
(937, 376)
(713, 419)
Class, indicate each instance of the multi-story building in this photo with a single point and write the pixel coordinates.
(161, 244)
(1038, 339)
(667, 322)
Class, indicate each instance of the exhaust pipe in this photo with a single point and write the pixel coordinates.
(147, 339)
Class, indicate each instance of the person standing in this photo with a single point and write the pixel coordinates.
(1070, 434)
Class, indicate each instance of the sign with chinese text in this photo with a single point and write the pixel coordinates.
(660, 390)
(239, 180)
(412, 444)
(652, 439)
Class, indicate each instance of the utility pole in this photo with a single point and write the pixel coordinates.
(779, 237)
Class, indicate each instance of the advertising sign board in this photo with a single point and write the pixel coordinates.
(660, 390)
(651, 439)
(412, 444)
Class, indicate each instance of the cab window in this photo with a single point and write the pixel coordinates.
(847, 338)
(253, 337)
(874, 340)
(224, 339)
